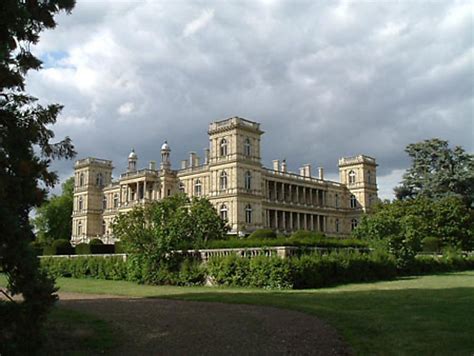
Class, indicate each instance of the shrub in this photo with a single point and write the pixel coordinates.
(59, 247)
(305, 234)
(119, 247)
(83, 249)
(431, 244)
(102, 249)
(96, 242)
(263, 234)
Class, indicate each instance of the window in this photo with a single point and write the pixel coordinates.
(223, 212)
(104, 203)
(369, 177)
(248, 180)
(223, 180)
(81, 180)
(99, 181)
(116, 200)
(247, 147)
(336, 200)
(181, 187)
(248, 214)
(223, 148)
(197, 187)
(80, 205)
(79, 228)
(104, 226)
(352, 177)
(353, 201)
(337, 225)
(353, 224)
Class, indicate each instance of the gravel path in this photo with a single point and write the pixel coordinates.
(169, 327)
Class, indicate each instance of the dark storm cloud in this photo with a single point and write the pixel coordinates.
(325, 79)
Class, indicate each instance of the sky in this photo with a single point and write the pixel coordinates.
(325, 79)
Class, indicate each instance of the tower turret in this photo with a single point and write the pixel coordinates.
(165, 156)
(132, 161)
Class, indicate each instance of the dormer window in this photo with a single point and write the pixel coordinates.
(352, 177)
(353, 201)
(99, 181)
(369, 177)
(116, 201)
(223, 147)
(81, 179)
(247, 147)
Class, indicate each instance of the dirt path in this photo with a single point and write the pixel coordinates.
(168, 327)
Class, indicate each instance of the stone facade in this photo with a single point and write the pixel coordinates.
(246, 194)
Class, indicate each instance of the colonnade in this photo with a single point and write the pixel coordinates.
(290, 221)
(297, 194)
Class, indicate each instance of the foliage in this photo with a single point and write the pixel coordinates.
(25, 156)
(150, 233)
(82, 249)
(400, 227)
(59, 247)
(96, 242)
(431, 244)
(305, 234)
(262, 234)
(438, 171)
(53, 218)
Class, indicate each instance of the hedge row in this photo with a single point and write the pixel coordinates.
(63, 247)
(308, 271)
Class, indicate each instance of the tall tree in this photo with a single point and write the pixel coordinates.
(53, 218)
(25, 155)
(438, 171)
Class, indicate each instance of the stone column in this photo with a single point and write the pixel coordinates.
(291, 221)
(311, 219)
(282, 191)
(311, 196)
(276, 219)
(298, 221)
(283, 213)
(305, 222)
(290, 193)
(297, 194)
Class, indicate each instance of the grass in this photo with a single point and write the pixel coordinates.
(417, 315)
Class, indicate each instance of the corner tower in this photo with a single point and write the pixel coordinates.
(236, 172)
(358, 174)
(91, 175)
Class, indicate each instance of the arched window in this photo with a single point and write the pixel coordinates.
(104, 203)
(248, 214)
(79, 228)
(353, 224)
(352, 177)
(353, 201)
(181, 187)
(81, 179)
(197, 187)
(336, 200)
(223, 212)
(337, 225)
(99, 181)
(116, 200)
(223, 147)
(369, 177)
(80, 205)
(223, 180)
(248, 180)
(247, 147)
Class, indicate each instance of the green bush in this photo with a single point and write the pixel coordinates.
(431, 244)
(59, 247)
(119, 247)
(263, 234)
(305, 234)
(83, 249)
(96, 242)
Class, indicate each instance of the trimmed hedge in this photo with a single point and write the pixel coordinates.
(263, 234)
(59, 247)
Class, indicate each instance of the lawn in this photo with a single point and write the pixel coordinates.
(418, 315)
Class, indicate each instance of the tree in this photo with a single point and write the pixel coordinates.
(400, 227)
(53, 218)
(438, 171)
(25, 155)
(150, 234)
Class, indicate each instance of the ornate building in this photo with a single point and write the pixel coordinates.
(246, 194)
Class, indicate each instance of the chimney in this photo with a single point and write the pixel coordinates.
(184, 164)
(152, 165)
(206, 156)
(283, 166)
(276, 165)
(302, 171)
(307, 169)
(192, 159)
(321, 173)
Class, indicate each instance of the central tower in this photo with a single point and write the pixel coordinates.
(235, 167)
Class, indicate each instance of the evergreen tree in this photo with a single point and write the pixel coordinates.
(25, 155)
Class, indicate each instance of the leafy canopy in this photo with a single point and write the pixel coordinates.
(438, 171)
(25, 155)
(53, 218)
